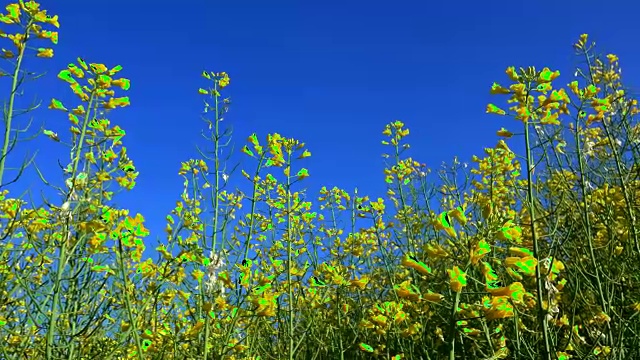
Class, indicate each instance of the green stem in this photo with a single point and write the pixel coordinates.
(452, 327)
(289, 260)
(216, 206)
(9, 114)
(51, 328)
(542, 318)
(127, 301)
(587, 221)
(63, 248)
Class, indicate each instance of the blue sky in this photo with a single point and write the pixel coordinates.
(328, 73)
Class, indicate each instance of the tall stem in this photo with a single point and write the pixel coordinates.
(9, 113)
(542, 317)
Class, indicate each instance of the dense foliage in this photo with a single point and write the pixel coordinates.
(509, 257)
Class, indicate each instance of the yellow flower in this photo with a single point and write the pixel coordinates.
(7, 54)
(547, 75)
(360, 283)
(487, 209)
(45, 53)
(574, 87)
(53, 21)
(511, 73)
(521, 252)
(492, 109)
(515, 291)
(57, 105)
(458, 279)
(7, 20)
(504, 133)
(98, 68)
(458, 214)
(407, 291)
(380, 320)
(503, 145)
(433, 297)
(399, 317)
(497, 89)
(582, 41)
(526, 264)
(480, 250)
(498, 308)
(550, 118)
(268, 312)
(523, 113)
(345, 308)
(13, 12)
(418, 266)
(435, 251)
(412, 330)
(224, 81)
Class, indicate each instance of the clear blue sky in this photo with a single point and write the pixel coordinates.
(329, 73)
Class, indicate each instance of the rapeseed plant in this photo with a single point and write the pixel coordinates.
(509, 257)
